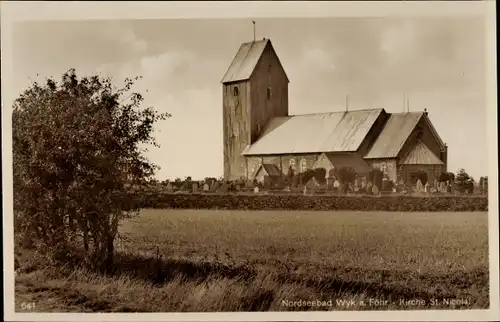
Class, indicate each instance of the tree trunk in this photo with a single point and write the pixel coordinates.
(85, 229)
(110, 249)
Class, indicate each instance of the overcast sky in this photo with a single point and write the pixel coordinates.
(440, 62)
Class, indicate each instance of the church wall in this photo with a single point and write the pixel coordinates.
(268, 74)
(236, 128)
(388, 167)
(281, 161)
(253, 163)
(308, 159)
(433, 172)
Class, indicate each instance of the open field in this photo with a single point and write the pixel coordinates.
(207, 260)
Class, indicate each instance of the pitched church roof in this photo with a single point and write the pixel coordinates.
(395, 133)
(245, 61)
(341, 160)
(270, 169)
(353, 160)
(421, 154)
(315, 133)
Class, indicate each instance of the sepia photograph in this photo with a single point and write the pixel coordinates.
(269, 163)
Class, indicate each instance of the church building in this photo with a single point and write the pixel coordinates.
(261, 137)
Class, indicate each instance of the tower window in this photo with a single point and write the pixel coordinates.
(269, 68)
(269, 93)
(236, 91)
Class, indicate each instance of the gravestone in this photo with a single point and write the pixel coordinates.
(426, 187)
(369, 187)
(256, 189)
(169, 187)
(194, 188)
(375, 190)
(206, 187)
(420, 186)
(442, 186)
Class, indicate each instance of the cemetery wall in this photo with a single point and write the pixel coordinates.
(315, 202)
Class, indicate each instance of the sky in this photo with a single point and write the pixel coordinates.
(439, 62)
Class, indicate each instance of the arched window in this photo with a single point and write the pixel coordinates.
(303, 165)
(269, 93)
(383, 167)
(236, 91)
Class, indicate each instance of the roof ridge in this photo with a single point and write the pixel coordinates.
(333, 112)
(403, 113)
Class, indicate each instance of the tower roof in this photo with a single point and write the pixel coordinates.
(245, 61)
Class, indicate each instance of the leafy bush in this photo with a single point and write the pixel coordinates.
(346, 175)
(375, 177)
(76, 153)
(320, 175)
(447, 176)
(301, 202)
(464, 182)
(387, 185)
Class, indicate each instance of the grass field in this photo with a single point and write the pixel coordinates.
(201, 260)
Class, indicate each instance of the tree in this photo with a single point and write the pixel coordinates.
(483, 185)
(464, 182)
(76, 145)
(306, 176)
(375, 177)
(346, 175)
(447, 176)
(320, 175)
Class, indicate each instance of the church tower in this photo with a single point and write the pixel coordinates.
(254, 90)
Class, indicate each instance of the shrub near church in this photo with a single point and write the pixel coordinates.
(225, 201)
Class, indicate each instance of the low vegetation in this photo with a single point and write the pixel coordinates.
(199, 260)
(251, 201)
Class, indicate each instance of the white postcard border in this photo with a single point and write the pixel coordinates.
(12, 12)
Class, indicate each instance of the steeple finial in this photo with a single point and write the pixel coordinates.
(253, 22)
